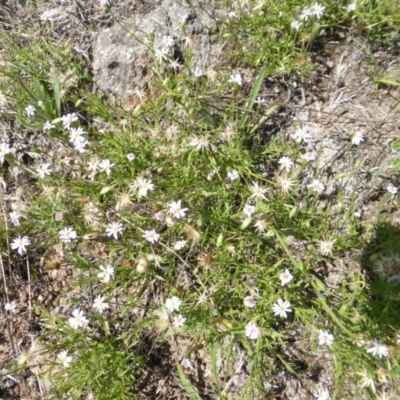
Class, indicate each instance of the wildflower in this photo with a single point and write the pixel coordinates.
(249, 210)
(366, 380)
(322, 395)
(76, 135)
(318, 10)
(317, 186)
(114, 229)
(260, 101)
(281, 308)
(159, 216)
(257, 192)
(352, 6)
(161, 54)
(78, 320)
(295, 25)
(99, 304)
(198, 72)
(43, 170)
(378, 349)
(306, 13)
(286, 163)
(64, 358)
(68, 119)
(229, 133)
(260, 225)
(252, 331)
(180, 244)
(174, 65)
(199, 143)
(357, 138)
(106, 273)
(105, 3)
(233, 174)
(179, 321)
(176, 210)
(67, 234)
(20, 243)
(285, 183)
(4, 149)
(173, 304)
(30, 111)
(11, 307)
(14, 216)
(236, 78)
(167, 41)
(130, 156)
(151, 236)
(47, 126)
(80, 147)
(239, 380)
(186, 363)
(249, 302)
(325, 338)
(301, 135)
(144, 186)
(105, 165)
(389, 267)
(392, 189)
(325, 247)
(285, 277)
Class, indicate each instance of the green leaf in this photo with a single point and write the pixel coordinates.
(186, 385)
(56, 90)
(106, 190)
(246, 223)
(220, 240)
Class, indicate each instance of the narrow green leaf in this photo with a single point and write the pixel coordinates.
(186, 384)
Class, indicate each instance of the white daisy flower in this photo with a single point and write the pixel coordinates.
(322, 395)
(144, 185)
(43, 170)
(30, 111)
(151, 236)
(286, 163)
(99, 304)
(252, 331)
(105, 165)
(392, 189)
(14, 217)
(236, 78)
(357, 138)
(318, 10)
(64, 358)
(114, 229)
(47, 126)
(317, 186)
(325, 338)
(180, 244)
(11, 307)
(176, 210)
(281, 308)
(20, 244)
(173, 304)
(106, 273)
(78, 320)
(67, 234)
(249, 302)
(295, 25)
(233, 174)
(249, 210)
(378, 349)
(285, 277)
(4, 149)
(178, 321)
(186, 363)
(68, 119)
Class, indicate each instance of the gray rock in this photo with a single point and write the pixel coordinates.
(123, 64)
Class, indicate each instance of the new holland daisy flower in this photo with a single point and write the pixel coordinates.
(248, 210)
(151, 236)
(106, 273)
(249, 302)
(178, 321)
(4, 150)
(114, 229)
(233, 174)
(67, 234)
(378, 349)
(286, 163)
(322, 395)
(281, 308)
(64, 358)
(176, 210)
(285, 277)
(357, 138)
(30, 111)
(173, 304)
(68, 119)
(99, 304)
(252, 331)
(105, 165)
(43, 170)
(325, 338)
(78, 320)
(20, 244)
